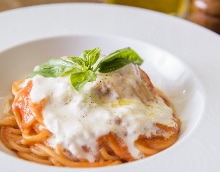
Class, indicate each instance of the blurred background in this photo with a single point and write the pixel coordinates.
(203, 12)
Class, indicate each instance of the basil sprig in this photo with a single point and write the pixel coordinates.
(81, 68)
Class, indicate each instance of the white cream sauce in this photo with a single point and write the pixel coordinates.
(76, 119)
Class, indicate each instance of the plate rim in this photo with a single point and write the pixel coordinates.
(194, 26)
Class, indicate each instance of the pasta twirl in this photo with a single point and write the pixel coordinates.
(119, 117)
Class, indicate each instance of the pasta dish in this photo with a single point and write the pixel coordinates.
(73, 115)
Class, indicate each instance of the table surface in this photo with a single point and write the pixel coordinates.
(203, 20)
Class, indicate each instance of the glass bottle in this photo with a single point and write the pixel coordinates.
(173, 7)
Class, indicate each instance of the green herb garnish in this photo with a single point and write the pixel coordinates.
(81, 68)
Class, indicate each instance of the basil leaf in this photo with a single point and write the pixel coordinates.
(55, 68)
(84, 55)
(93, 56)
(79, 79)
(106, 67)
(90, 57)
(126, 54)
(78, 60)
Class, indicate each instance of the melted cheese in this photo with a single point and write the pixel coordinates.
(78, 119)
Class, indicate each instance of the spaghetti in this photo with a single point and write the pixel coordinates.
(25, 130)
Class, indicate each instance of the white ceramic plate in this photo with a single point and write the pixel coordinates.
(181, 58)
